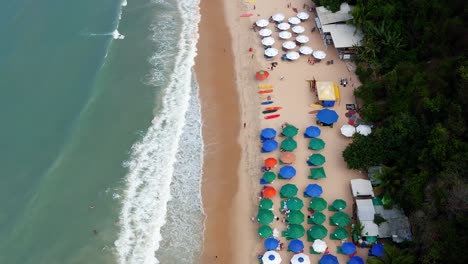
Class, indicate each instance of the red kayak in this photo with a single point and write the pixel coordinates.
(272, 116)
(274, 108)
(265, 91)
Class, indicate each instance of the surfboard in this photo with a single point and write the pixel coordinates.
(268, 111)
(267, 102)
(272, 116)
(265, 91)
(274, 108)
(265, 86)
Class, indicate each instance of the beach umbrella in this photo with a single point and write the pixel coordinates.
(339, 204)
(316, 159)
(271, 52)
(261, 75)
(302, 39)
(298, 29)
(377, 250)
(287, 157)
(328, 259)
(278, 17)
(300, 258)
(296, 246)
(265, 217)
(293, 55)
(295, 217)
(313, 190)
(327, 116)
(262, 22)
(289, 131)
(312, 132)
(285, 35)
(265, 32)
(289, 45)
(269, 176)
(319, 246)
(348, 130)
(306, 50)
(340, 233)
(356, 260)
(318, 204)
(317, 173)
(270, 162)
(288, 190)
(316, 144)
(295, 231)
(317, 232)
(266, 203)
(268, 133)
(364, 130)
(271, 257)
(269, 145)
(318, 218)
(294, 20)
(302, 15)
(288, 144)
(287, 172)
(340, 219)
(265, 231)
(271, 243)
(269, 192)
(348, 248)
(319, 55)
(268, 41)
(283, 26)
(294, 203)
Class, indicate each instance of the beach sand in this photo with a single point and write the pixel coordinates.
(231, 178)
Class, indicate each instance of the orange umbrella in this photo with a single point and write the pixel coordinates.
(287, 157)
(261, 75)
(270, 162)
(269, 192)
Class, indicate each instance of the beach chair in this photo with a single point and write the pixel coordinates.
(313, 252)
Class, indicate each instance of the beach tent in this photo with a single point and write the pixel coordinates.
(316, 144)
(288, 190)
(287, 157)
(328, 259)
(317, 204)
(313, 190)
(287, 172)
(316, 160)
(319, 246)
(356, 260)
(295, 231)
(265, 217)
(271, 243)
(339, 234)
(269, 145)
(261, 75)
(377, 250)
(265, 231)
(295, 217)
(361, 188)
(289, 131)
(326, 92)
(294, 203)
(300, 258)
(270, 162)
(268, 177)
(364, 130)
(317, 173)
(317, 218)
(327, 116)
(312, 132)
(271, 257)
(340, 219)
(348, 130)
(288, 144)
(338, 205)
(266, 203)
(296, 246)
(317, 232)
(269, 192)
(348, 248)
(268, 133)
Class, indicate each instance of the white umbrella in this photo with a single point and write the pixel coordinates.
(298, 29)
(293, 55)
(278, 17)
(306, 50)
(268, 41)
(302, 15)
(284, 26)
(302, 39)
(319, 246)
(271, 52)
(318, 54)
(265, 32)
(294, 20)
(364, 130)
(285, 35)
(262, 23)
(300, 258)
(289, 45)
(348, 130)
(271, 257)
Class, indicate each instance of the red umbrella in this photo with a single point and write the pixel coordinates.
(269, 192)
(270, 162)
(261, 75)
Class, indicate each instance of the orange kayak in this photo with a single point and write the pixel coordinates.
(274, 108)
(265, 91)
(272, 116)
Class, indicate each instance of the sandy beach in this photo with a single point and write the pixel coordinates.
(226, 71)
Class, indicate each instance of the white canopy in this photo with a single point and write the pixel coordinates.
(268, 41)
(298, 29)
(278, 17)
(364, 130)
(319, 246)
(365, 209)
(300, 258)
(285, 35)
(369, 228)
(306, 50)
(262, 23)
(348, 130)
(302, 15)
(283, 26)
(302, 39)
(271, 52)
(319, 55)
(294, 20)
(289, 45)
(361, 187)
(265, 32)
(271, 257)
(293, 55)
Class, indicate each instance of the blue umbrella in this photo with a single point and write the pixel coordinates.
(287, 172)
(356, 260)
(268, 133)
(269, 145)
(348, 248)
(328, 259)
(327, 116)
(377, 250)
(313, 190)
(271, 243)
(296, 246)
(312, 132)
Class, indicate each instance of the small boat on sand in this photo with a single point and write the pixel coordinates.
(274, 108)
(266, 102)
(265, 91)
(268, 111)
(272, 116)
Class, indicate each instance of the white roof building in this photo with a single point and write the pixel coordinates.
(328, 17)
(344, 36)
(361, 188)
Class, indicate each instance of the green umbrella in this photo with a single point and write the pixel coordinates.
(340, 219)
(317, 173)
(264, 216)
(289, 144)
(295, 231)
(266, 203)
(288, 190)
(317, 232)
(294, 203)
(265, 231)
(269, 176)
(339, 204)
(318, 218)
(340, 233)
(318, 204)
(289, 131)
(316, 159)
(295, 217)
(316, 144)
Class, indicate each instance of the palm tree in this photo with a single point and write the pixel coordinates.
(393, 255)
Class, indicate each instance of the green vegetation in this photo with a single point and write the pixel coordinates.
(393, 255)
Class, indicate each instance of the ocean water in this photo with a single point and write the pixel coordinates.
(100, 147)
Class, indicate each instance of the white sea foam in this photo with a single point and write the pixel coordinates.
(124, 3)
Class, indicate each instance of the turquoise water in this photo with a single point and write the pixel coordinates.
(73, 102)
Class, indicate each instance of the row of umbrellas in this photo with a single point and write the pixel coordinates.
(273, 257)
(279, 17)
(290, 131)
(268, 41)
(349, 130)
(265, 32)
